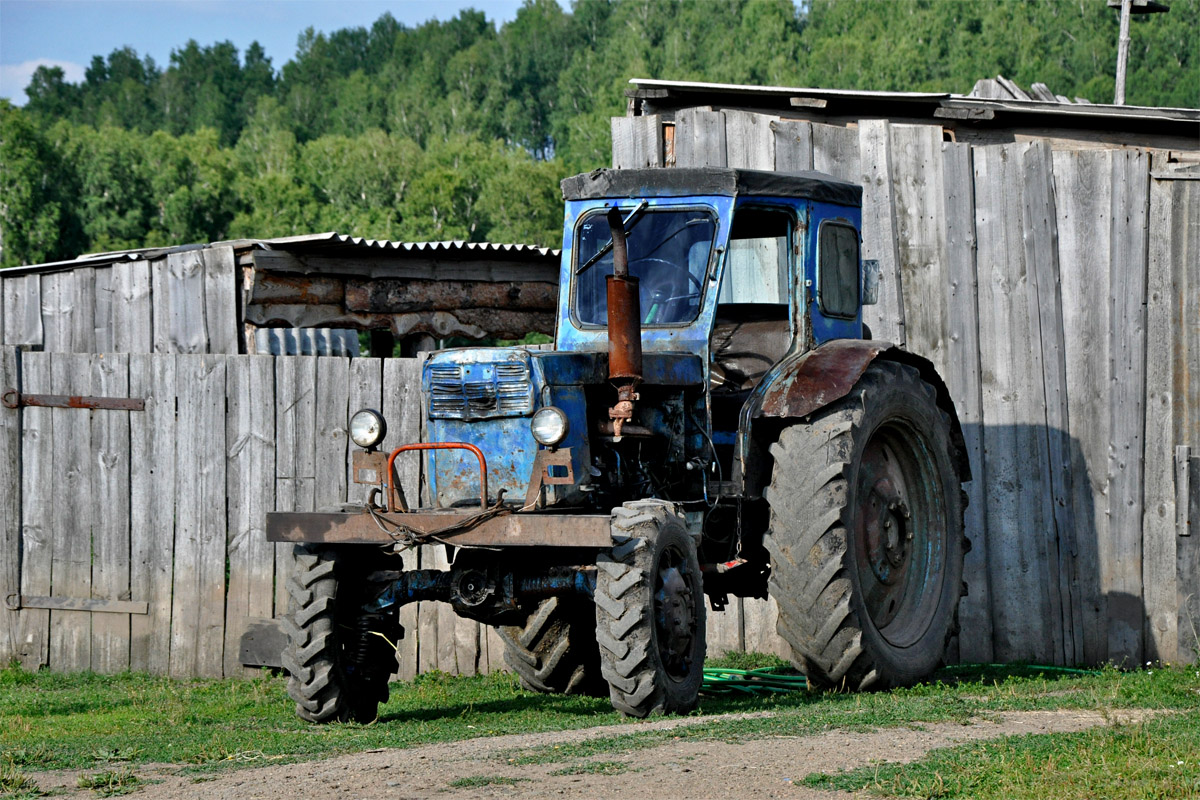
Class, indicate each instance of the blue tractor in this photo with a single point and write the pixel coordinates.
(714, 419)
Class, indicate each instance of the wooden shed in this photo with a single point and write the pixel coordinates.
(280, 295)
(1045, 255)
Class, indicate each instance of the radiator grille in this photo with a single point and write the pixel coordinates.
(479, 391)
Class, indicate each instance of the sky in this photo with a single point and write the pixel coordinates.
(67, 33)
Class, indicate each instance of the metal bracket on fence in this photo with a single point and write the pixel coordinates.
(14, 399)
(15, 602)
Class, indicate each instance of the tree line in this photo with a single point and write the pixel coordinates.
(461, 129)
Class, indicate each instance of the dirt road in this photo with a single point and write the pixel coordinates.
(682, 768)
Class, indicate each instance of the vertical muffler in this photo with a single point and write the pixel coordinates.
(624, 327)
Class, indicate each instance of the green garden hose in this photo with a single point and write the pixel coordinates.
(718, 680)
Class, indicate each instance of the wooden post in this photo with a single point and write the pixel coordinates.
(250, 456)
(152, 442)
(964, 382)
(10, 505)
(110, 531)
(198, 599)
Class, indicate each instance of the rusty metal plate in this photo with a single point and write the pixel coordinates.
(13, 399)
(516, 530)
(370, 467)
(15, 602)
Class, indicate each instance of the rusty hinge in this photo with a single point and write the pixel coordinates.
(14, 399)
(15, 602)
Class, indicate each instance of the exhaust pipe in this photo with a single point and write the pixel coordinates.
(624, 328)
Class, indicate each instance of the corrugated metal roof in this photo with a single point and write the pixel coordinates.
(333, 239)
(314, 242)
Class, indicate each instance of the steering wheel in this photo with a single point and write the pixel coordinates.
(658, 288)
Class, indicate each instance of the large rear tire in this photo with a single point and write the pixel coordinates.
(650, 612)
(555, 650)
(866, 534)
(337, 670)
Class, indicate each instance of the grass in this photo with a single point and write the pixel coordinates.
(110, 783)
(1156, 759)
(112, 724)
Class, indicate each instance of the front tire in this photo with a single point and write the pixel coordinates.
(650, 612)
(338, 671)
(866, 534)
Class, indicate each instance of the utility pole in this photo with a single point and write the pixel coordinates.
(1128, 8)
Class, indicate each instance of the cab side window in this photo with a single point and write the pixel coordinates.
(756, 269)
(837, 270)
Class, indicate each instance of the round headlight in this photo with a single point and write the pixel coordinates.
(367, 428)
(549, 425)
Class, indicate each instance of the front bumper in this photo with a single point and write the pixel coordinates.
(509, 530)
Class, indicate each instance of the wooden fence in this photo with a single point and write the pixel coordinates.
(136, 537)
(1058, 292)
(180, 302)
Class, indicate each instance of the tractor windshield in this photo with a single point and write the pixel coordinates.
(668, 253)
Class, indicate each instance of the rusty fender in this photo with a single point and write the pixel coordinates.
(517, 530)
(802, 384)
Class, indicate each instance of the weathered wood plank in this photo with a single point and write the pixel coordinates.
(700, 138)
(23, 310)
(71, 515)
(401, 406)
(885, 319)
(83, 310)
(366, 391)
(963, 380)
(919, 193)
(749, 140)
(250, 478)
(132, 314)
(103, 341)
(1127, 318)
(295, 454)
(467, 651)
(58, 290)
(198, 600)
(38, 497)
(637, 142)
(1013, 413)
(331, 444)
(221, 281)
(153, 434)
(1041, 258)
(1166, 563)
(160, 305)
(836, 151)
(726, 632)
(188, 328)
(10, 506)
(1083, 194)
(793, 145)
(110, 529)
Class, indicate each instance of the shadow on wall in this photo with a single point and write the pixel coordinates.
(1051, 579)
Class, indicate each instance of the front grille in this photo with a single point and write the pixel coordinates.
(479, 391)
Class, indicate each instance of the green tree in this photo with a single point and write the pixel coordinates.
(37, 223)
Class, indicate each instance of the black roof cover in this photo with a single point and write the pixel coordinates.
(690, 181)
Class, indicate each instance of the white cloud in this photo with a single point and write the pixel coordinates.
(15, 77)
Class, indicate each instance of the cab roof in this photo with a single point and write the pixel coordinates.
(615, 184)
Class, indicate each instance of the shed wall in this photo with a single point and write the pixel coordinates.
(1056, 291)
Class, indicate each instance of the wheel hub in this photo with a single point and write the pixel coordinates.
(889, 567)
(674, 617)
